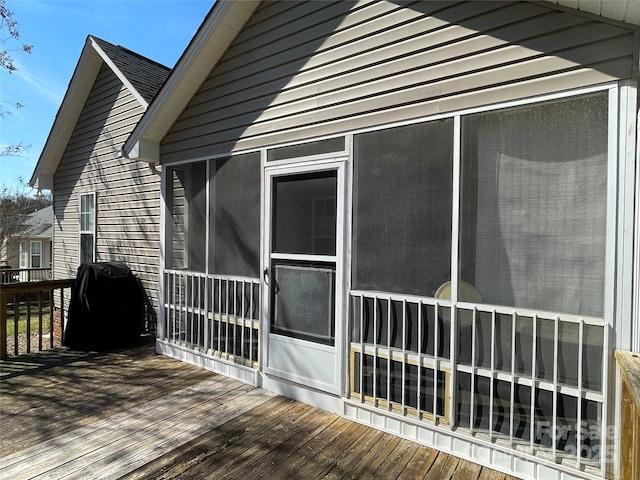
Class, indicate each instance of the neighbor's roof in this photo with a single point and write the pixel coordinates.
(223, 22)
(40, 223)
(142, 76)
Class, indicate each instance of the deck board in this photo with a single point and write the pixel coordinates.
(136, 415)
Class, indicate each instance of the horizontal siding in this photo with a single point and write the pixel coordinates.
(127, 192)
(318, 68)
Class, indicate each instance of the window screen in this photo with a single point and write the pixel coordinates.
(304, 303)
(36, 254)
(402, 208)
(327, 145)
(235, 215)
(186, 223)
(533, 205)
(304, 213)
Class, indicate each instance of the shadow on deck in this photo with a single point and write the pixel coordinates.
(134, 414)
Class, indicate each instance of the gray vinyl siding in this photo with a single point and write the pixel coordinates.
(127, 192)
(300, 70)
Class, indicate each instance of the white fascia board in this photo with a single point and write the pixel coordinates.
(145, 151)
(43, 182)
(219, 29)
(72, 104)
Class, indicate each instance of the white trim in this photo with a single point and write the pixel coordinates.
(31, 244)
(476, 449)
(208, 362)
(455, 271)
(162, 260)
(635, 316)
(337, 164)
(212, 157)
(23, 262)
(91, 232)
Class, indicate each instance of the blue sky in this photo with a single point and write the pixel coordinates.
(157, 29)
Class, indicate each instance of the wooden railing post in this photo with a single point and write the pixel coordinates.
(16, 324)
(3, 326)
(15, 291)
(629, 436)
(52, 318)
(61, 314)
(40, 320)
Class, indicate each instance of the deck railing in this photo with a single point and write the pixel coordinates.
(629, 440)
(213, 314)
(27, 310)
(531, 381)
(13, 275)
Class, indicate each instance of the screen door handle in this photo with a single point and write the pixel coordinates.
(266, 276)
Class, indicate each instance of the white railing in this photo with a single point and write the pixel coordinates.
(214, 314)
(531, 381)
(13, 275)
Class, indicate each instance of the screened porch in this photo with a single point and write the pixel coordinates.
(472, 279)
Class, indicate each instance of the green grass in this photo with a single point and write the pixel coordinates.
(22, 319)
(22, 325)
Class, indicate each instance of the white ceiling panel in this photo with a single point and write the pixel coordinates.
(622, 10)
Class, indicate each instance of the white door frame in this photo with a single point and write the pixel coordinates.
(331, 356)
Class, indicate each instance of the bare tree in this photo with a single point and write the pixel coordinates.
(15, 206)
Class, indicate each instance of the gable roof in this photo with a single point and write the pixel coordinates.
(40, 223)
(221, 25)
(140, 75)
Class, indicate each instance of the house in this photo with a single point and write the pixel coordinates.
(419, 215)
(106, 207)
(32, 249)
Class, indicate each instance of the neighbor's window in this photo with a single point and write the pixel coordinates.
(87, 227)
(402, 208)
(24, 255)
(36, 254)
(186, 219)
(533, 205)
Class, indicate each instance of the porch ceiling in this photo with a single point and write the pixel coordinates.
(627, 11)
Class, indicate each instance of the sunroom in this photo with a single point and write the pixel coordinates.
(450, 278)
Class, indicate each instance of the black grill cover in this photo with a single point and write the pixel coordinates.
(106, 309)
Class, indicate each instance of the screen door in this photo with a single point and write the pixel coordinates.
(302, 274)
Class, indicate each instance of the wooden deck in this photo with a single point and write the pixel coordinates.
(134, 414)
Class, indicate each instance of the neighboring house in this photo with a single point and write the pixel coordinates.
(32, 249)
(418, 215)
(106, 207)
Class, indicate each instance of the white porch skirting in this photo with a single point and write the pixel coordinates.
(463, 445)
(209, 362)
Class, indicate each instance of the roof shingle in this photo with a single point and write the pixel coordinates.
(145, 75)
